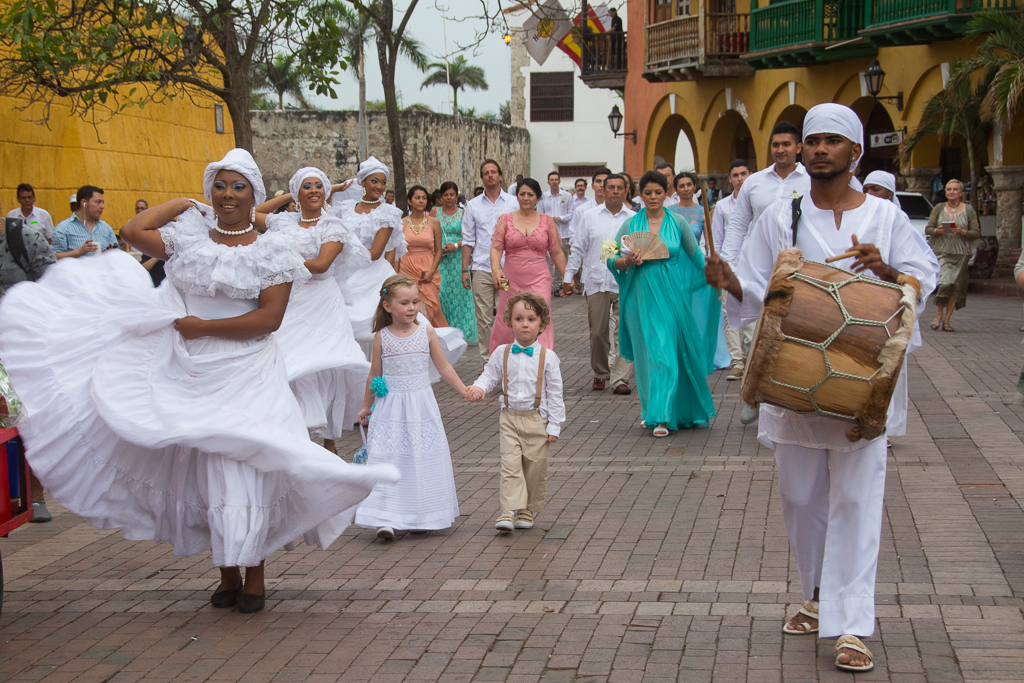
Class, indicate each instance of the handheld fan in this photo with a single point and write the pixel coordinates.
(646, 245)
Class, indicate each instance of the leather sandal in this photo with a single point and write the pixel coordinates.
(854, 643)
(808, 609)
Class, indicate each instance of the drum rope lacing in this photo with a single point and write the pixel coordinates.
(832, 289)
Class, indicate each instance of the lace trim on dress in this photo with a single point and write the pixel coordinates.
(367, 225)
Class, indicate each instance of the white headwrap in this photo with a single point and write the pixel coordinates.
(369, 167)
(295, 184)
(239, 161)
(883, 179)
(836, 119)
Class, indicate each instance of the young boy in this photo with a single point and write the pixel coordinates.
(532, 411)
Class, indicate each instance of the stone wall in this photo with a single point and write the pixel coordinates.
(438, 147)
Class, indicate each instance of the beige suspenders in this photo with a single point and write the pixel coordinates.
(540, 376)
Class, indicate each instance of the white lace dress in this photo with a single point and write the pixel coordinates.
(199, 443)
(326, 367)
(361, 286)
(406, 431)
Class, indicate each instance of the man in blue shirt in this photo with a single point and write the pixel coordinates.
(84, 234)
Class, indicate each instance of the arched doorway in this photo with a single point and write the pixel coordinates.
(876, 121)
(676, 144)
(795, 114)
(730, 139)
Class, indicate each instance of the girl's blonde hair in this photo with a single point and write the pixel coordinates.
(382, 318)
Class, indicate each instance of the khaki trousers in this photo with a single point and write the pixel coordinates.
(603, 308)
(525, 452)
(485, 299)
(732, 338)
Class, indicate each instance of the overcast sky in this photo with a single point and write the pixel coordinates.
(429, 27)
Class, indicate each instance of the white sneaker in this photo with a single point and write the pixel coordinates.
(506, 522)
(748, 415)
(385, 533)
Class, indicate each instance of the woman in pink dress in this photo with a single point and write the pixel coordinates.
(524, 237)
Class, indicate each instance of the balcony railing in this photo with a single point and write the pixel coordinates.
(796, 22)
(604, 57)
(726, 35)
(882, 12)
(674, 40)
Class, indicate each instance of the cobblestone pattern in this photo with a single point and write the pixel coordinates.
(655, 560)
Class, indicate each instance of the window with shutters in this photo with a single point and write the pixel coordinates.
(551, 96)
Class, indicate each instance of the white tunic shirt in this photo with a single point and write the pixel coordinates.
(478, 221)
(39, 220)
(875, 221)
(759, 191)
(598, 224)
(723, 210)
(582, 206)
(557, 205)
(522, 383)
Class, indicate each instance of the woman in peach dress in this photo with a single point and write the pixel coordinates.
(525, 237)
(424, 238)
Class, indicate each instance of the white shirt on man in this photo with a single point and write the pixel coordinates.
(39, 220)
(672, 199)
(723, 210)
(522, 383)
(556, 205)
(597, 224)
(759, 191)
(877, 222)
(478, 221)
(582, 206)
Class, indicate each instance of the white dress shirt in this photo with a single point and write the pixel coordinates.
(522, 383)
(582, 206)
(597, 224)
(876, 221)
(39, 220)
(759, 191)
(672, 199)
(558, 206)
(723, 210)
(478, 221)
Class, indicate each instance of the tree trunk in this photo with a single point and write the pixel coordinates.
(237, 103)
(387, 59)
(364, 143)
(455, 99)
(974, 178)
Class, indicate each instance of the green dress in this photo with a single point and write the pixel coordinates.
(456, 300)
(668, 327)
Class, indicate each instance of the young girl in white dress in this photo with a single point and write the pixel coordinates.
(406, 429)
(166, 412)
(326, 367)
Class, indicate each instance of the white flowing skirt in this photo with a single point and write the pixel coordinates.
(200, 444)
(327, 369)
(361, 289)
(406, 431)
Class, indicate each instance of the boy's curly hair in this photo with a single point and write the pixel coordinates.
(534, 303)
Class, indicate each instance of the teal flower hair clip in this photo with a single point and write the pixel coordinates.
(379, 386)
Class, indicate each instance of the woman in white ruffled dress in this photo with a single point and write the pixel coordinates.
(379, 227)
(326, 367)
(166, 412)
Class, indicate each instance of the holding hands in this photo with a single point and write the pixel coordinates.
(474, 393)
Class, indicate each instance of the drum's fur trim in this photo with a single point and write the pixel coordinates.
(758, 378)
(872, 418)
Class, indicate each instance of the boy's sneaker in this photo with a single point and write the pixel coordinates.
(524, 520)
(39, 512)
(505, 523)
(385, 533)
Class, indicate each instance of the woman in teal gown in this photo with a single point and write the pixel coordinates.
(456, 300)
(668, 324)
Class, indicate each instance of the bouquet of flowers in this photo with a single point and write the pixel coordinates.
(609, 249)
(10, 405)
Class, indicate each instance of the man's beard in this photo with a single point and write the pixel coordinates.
(826, 176)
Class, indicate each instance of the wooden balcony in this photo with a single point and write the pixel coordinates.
(798, 32)
(603, 60)
(912, 22)
(700, 45)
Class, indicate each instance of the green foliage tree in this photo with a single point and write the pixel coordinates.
(101, 56)
(1002, 51)
(505, 112)
(458, 74)
(283, 76)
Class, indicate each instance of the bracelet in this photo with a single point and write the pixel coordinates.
(465, 270)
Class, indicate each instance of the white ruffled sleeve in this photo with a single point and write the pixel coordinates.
(391, 217)
(189, 227)
(277, 260)
(353, 254)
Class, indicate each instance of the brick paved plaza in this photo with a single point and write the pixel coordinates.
(655, 560)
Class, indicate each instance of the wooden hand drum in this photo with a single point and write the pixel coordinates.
(830, 342)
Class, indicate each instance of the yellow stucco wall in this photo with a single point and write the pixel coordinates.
(154, 153)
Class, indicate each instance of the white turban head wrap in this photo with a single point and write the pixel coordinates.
(883, 179)
(369, 167)
(295, 184)
(239, 161)
(835, 119)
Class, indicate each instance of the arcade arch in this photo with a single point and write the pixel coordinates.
(730, 139)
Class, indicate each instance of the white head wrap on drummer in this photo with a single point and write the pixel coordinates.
(836, 119)
(239, 161)
(369, 167)
(886, 180)
(295, 184)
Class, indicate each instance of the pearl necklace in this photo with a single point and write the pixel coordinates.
(231, 233)
(312, 220)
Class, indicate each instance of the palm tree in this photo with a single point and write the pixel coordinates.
(458, 75)
(284, 77)
(357, 29)
(955, 114)
(1001, 51)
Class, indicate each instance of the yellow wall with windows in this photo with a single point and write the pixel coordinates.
(155, 153)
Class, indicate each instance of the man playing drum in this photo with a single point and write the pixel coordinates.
(832, 490)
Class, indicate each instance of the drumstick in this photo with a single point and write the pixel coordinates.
(840, 257)
(707, 218)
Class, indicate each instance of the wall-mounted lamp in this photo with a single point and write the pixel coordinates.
(874, 77)
(507, 38)
(615, 122)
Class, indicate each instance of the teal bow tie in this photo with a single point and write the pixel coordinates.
(516, 348)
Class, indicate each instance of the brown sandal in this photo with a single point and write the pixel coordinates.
(946, 327)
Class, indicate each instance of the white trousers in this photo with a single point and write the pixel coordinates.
(832, 505)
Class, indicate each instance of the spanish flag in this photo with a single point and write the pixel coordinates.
(598, 20)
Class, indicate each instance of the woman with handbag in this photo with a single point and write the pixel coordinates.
(953, 226)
